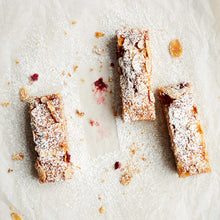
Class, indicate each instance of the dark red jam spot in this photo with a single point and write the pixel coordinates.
(117, 165)
(34, 77)
(112, 64)
(166, 99)
(100, 85)
(68, 156)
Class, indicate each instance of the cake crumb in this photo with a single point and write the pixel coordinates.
(24, 95)
(175, 48)
(82, 139)
(83, 80)
(69, 74)
(65, 33)
(81, 114)
(103, 181)
(142, 132)
(15, 216)
(126, 179)
(106, 170)
(133, 151)
(97, 50)
(10, 170)
(17, 62)
(116, 113)
(99, 34)
(153, 146)
(63, 73)
(74, 22)
(12, 208)
(123, 193)
(91, 69)
(78, 167)
(65, 83)
(139, 171)
(18, 156)
(112, 65)
(99, 197)
(9, 83)
(143, 158)
(75, 68)
(4, 104)
(102, 210)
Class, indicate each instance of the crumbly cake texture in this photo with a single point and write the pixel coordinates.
(135, 68)
(48, 125)
(187, 137)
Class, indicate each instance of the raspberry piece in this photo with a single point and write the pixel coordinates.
(34, 77)
(117, 165)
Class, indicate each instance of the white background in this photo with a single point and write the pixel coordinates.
(33, 33)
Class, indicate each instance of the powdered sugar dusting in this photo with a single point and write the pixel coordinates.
(185, 130)
(135, 74)
(49, 133)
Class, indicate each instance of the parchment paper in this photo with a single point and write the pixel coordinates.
(41, 37)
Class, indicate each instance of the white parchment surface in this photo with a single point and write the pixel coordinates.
(40, 36)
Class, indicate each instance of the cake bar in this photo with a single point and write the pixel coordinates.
(187, 138)
(48, 125)
(135, 68)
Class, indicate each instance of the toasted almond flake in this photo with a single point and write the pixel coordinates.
(15, 216)
(69, 75)
(75, 68)
(175, 48)
(78, 167)
(99, 34)
(102, 210)
(12, 208)
(17, 62)
(74, 22)
(24, 95)
(18, 156)
(81, 114)
(5, 104)
(83, 80)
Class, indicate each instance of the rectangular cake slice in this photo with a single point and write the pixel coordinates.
(135, 68)
(48, 125)
(187, 138)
